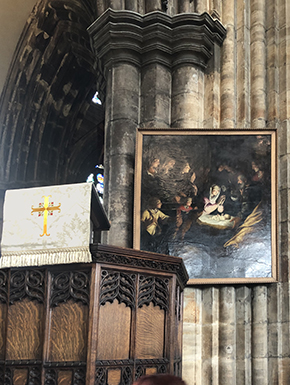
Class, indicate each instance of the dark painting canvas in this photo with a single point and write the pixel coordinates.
(208, 197)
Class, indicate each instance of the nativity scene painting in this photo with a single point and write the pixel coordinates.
(208, 198)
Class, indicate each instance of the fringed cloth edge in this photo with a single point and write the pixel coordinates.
(46, 257)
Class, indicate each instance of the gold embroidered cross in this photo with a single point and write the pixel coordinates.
(45, 209)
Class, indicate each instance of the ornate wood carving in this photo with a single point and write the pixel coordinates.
(65, 364)
(136, 262)
(101, 376)
(155, 290)
(178, 303)
(114, 363)
(31, 363)
(50, 377)
(3, 286)
(8, 377)
(103, 366)
(177, 368)
(118, 285)
(70, 285)
(126, 375)
(141, 365)
(153, 362)
(139, 259)
(79, 377)
(1, 373)
(139, 371)
(162, 368)
(34, 377)
(27, 283)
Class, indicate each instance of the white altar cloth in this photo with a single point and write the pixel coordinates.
(47, 225)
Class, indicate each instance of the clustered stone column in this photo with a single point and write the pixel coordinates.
(153, 65)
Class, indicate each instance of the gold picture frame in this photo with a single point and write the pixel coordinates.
(210, 197)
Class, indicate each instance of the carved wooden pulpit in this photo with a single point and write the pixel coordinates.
(104, 322)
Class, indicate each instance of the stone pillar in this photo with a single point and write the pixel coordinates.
(282, 119)
(156, 96)
(212, 100)
(131, 5)
(187, 97)
(121, 119)
(272, 36)
(216, 9)
(152, 5)
(121, 69)
(258, 62)
(227, 334)
(228, 83)
(243, 66)
(153, 65)
(184, 6)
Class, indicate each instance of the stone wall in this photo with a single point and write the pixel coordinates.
(240, 335)
(232, 334)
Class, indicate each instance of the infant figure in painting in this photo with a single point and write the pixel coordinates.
(213, 212)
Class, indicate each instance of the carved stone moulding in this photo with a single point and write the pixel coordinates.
(183, 39)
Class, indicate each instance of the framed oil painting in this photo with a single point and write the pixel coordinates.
(209, 196)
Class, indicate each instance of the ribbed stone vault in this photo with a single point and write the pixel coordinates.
(51, 132)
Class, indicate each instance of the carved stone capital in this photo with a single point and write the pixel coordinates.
(183, 39)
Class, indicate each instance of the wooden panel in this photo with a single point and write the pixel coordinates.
(55, 328)
(150, 332)
(64, 377)
(20, 376)
(178, 324)
(3, 312)
(24, 334)
(151, 371)
(114, 376)
(114, 331)
(178, 339)
(68, 332)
